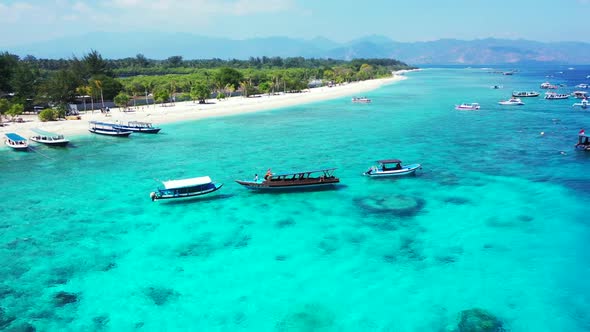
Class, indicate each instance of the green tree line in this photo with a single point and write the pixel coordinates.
(30, 81)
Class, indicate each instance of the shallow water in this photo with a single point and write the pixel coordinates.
(496, 219)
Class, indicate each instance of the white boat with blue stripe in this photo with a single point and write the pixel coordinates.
(391, 167)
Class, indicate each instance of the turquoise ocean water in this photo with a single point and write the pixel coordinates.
(497, 219)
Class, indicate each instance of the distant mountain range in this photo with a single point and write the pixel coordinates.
(162, 45)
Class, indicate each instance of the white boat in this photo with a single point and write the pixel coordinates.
(582, 86)
(391, 167)
(521, 94)
(109, 129)
(467, 107)
(548, 85)
(47, 138)
(583, 141)
(512, 102)
(554, 95)
(185, 188)
(361, 100)
(580, 94)
(497, 86)
(584, 104)
(16, 141)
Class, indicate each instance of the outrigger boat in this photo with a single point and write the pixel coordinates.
(467, 107)
(391, 167)
(583, 104)
(512, 101)
(138, 127)
(185, 188)
(361, 100)
(105, 128)
(48, 138)
(521, 94)
(16, 142)
(292, 181)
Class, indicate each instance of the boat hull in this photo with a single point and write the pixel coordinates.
(289, 185)
(158, 196)
(51, 143)
(18, 147)
(139, 130)
(406, 170)
(117, 133)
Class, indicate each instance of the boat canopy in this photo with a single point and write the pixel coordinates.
(102, 123)
(304, 172)
(184, 183)
(43, 132)
(15, 137)
(389, 161)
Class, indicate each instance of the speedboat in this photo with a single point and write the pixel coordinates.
(554, 95)
(497, 86)
(548, 85)
(580, 94)
(512, 102)
(467, 107)
(521, 94)
(391, 167)
(582, 86)
(185, 188)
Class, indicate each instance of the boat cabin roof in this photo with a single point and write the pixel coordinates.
(584, 135)
(43, 132)
(103, 123)
(192, 182)
(304, 172)
(15, 137)
(389, 161)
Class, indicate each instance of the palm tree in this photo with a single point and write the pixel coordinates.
(98, 84)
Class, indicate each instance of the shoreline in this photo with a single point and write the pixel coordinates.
(191, 111)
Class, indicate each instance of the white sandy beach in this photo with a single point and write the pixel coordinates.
(186, 111)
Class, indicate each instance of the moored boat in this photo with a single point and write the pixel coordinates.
(16, 141)
(525, 94)
(583, 141)
(391, 167)
(292, 181)
(582, 86)
(467, 107)
(138, 127)
(555, 95)
(583, 104)
(548, 85)
(580, 94)
(361, 100)
(185, 188)
(48, 138)
(105, 128)
(512, 102)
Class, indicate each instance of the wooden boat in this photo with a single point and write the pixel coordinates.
(525, 94)
(293, 181)
(467, 107)
(554, 95)
(391, 167)
(583, 141)
(48, 138)
(512, 102)
(138, 127)
(361, 100)
(105, 128)
(16, 141)
(185, 188)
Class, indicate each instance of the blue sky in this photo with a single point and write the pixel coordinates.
(23, 21)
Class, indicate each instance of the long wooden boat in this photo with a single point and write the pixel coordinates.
(48, 138)
(16, 141)
(292, 181)
(138, 127)
(105, 128)
(391, 167)
(185, 188)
